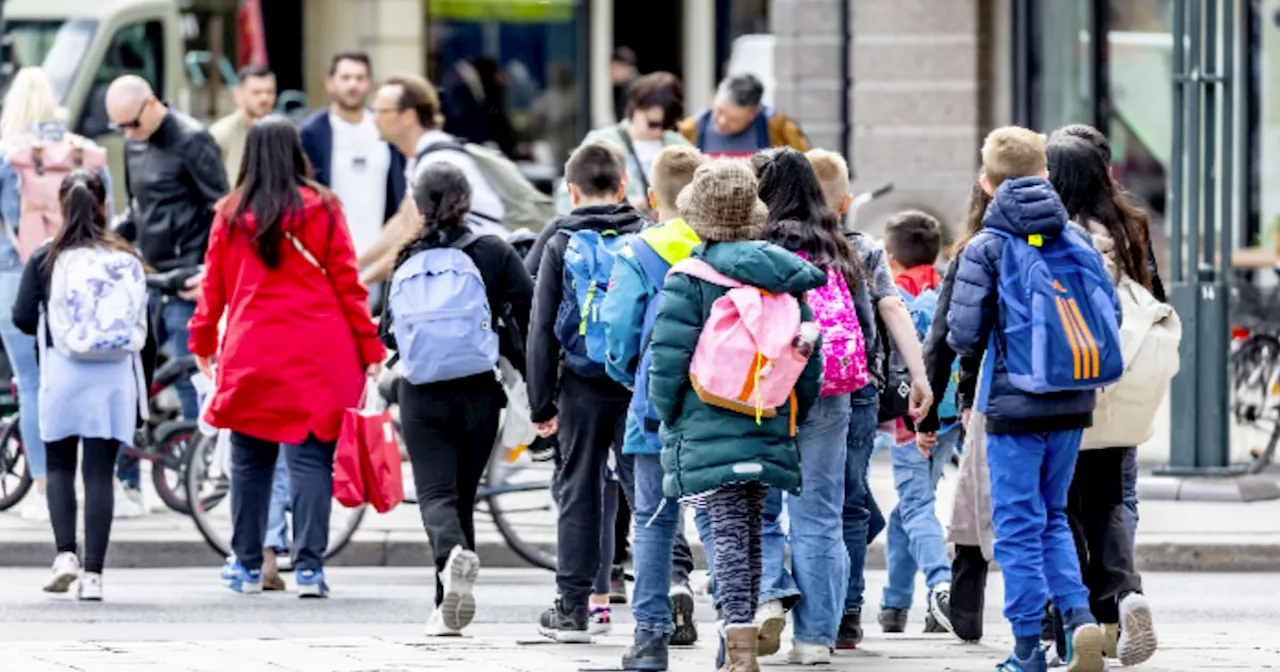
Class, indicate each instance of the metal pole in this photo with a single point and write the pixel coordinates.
(1173, 203)
(1229, 144)
(1207, 129)
(1195, 172)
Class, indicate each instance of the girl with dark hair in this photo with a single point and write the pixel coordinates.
(1096, 506)
(456, 303)
(298, 345)
(91, 389)
(800, 221)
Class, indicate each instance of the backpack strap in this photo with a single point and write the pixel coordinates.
(653, 265)
(464, 241)
(700, 131)
(439, 147)
(703, 271)
(631, 153)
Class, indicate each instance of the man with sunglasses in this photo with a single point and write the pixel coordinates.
(174, 175)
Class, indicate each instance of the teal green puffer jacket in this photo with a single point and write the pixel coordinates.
(705, 447)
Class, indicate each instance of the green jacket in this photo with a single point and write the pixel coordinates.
(704, 447)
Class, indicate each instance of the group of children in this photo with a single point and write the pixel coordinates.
(733, 357)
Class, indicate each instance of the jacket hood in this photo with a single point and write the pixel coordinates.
(1026, 206)
(673, 240)
(620, 217)
(315, 207)
(763, 265)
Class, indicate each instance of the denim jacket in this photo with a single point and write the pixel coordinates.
(10, 195)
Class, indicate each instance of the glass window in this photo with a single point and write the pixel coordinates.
(1063, 85)
(56, 46)
(136, 49)
(1139, 60)
(508, 74)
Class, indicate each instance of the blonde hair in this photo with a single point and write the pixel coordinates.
(833, 175)
(673, 170)
(30, 101)
(1011, 152)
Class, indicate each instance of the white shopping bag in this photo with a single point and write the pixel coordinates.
(517, 424)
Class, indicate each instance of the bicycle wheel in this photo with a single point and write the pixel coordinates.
(208, 484)
(168, 470)
(15, 473)
(516, 491)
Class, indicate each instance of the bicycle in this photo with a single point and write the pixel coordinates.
(515, 485)
(1254, 368)
(162, 440)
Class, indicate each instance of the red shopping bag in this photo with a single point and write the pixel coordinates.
(368, 442)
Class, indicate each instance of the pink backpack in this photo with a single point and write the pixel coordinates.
(746, 360)
(844, 348)
(41, 166)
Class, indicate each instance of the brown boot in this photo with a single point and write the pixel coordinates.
(271, 571)
(740, 648)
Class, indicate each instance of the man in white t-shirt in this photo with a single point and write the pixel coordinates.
(407, 112)
(348, 154)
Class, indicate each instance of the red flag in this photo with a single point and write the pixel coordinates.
(251, 39)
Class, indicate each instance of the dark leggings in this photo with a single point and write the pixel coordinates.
(99, 496)
(736, 512)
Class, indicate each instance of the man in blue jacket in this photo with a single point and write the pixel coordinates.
(349, 156)
(1032, 439)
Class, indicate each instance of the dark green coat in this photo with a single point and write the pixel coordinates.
(704, 447)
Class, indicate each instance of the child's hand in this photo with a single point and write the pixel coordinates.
(964, 418)
(925, 443)
(546, 429)
(921, 400)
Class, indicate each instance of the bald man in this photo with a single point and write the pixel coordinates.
(174, 174)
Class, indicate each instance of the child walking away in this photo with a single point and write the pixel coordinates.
(915, 542)
(84, 298)
(448, 294)
(737, 366)
(661, 596)
(1033, 296)
(590, 409)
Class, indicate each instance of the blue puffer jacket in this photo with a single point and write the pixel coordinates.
(1023, 206)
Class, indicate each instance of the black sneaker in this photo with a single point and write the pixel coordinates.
(686, 633)
(850, 633)
(940, 607)
(565, 627)
(893, 620)
(618, 585)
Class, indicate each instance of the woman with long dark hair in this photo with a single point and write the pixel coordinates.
(298, 346)
(84, 297)
(1096, 502)
(456, 303)
(800, 221)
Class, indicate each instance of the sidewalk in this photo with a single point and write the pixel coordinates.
(1172, 536)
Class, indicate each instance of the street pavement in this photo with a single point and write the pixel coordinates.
(182, 620)
(1172, 536)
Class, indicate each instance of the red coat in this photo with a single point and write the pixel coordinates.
(297, 341)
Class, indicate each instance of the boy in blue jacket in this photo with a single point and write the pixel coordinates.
(628, 311)
(1032, 439)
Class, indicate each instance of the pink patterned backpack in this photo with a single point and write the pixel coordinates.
(41, 167)
(746, 359)
(844, 348)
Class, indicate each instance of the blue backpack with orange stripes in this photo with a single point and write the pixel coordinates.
(1059, 315)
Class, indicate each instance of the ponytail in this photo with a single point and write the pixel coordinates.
(83, 199)
(443, 198)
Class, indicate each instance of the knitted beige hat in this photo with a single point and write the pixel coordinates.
(721, 204)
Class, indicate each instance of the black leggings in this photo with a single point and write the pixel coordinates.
(99, 496)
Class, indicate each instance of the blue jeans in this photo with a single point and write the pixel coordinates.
(277, 538)
(819, 561)
(862, 518)
(1130, 509)
(253, 467)
(915, 540)
(1030, 477)
(21, 350)
(657, 522)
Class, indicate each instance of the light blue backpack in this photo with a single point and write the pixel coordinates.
(440, 316)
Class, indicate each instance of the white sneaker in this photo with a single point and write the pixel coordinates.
(128, 503)
(35, 507)
(66, 568)
(808, 654)
(437, 628)
(459, 578)
(772, 620)
(90, 587)
(1137, 634)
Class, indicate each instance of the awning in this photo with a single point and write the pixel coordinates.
(525, 11)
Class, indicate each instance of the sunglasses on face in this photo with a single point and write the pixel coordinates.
(656, 124)
(137, 120)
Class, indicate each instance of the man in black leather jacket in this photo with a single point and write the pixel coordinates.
(174, 175)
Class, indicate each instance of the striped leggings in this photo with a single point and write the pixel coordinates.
(735, 511)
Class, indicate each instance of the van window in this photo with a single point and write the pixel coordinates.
(135, 49)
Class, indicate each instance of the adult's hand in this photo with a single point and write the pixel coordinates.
(192, 292)
(546, 429)
(205, 364)
(921, 399)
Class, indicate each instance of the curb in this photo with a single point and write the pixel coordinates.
(398, 552)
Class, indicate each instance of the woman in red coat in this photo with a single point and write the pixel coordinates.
(299, 343)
